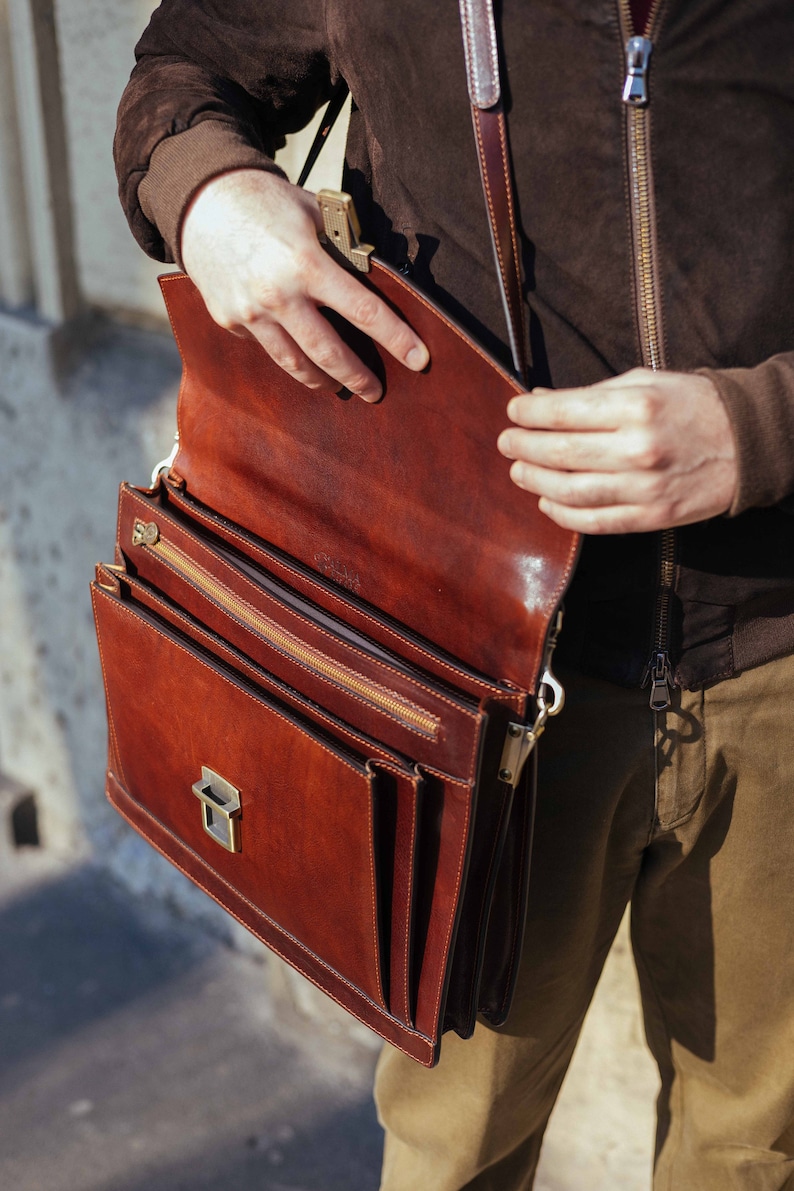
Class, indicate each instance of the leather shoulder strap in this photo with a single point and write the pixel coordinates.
(490, 130)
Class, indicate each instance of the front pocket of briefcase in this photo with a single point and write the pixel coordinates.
(399, 782)
(282, 812)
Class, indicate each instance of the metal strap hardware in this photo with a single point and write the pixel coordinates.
(482, 52)
(522, 738)
(166, 464)
(342, 229)
(220, 809)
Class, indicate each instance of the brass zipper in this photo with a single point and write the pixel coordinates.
(147, 535)
(635, 97)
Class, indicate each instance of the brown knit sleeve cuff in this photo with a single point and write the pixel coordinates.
(760, 405)
(181, 164)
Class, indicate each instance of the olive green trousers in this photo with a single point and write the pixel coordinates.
(688, 814)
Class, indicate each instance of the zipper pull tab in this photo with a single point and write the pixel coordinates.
(660, 676)
(145, 533)
(638, 54)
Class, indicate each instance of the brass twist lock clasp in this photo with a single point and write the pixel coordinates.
(220, 809)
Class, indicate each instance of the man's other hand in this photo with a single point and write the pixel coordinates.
(642, 451)
(249, 243)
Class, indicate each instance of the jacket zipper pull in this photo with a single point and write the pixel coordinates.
(635, 89)
(660, 676)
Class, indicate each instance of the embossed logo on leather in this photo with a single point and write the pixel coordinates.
(338, 571)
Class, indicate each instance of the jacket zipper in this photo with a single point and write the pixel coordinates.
(147, 536)
(658, 671)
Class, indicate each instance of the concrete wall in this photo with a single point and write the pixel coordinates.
(96, 40)
(82, 403)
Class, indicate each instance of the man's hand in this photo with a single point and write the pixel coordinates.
(642, 451)
(249, 242)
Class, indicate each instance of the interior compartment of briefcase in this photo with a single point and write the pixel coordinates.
(339, 598)
(293, 817)
(364, 684)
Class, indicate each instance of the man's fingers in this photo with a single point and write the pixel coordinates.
(636, 453)
(629, 450)
(337, 288)
(315, 336)
(589, 489)
(614, 519)
(249, 241)
(576, 410)
(285, 352)
(609, 405)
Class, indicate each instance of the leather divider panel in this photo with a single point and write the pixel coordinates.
(493, 813)
(436, 536)
(319, 883)
(442, 864)
(398, 834)
(508, 910)
(488, 838)
(409, 712)
(338, 602)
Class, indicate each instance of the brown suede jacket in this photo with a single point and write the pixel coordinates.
(662, 235)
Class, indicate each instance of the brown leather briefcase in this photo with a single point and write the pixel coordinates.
(325, 642)
(322, 643)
